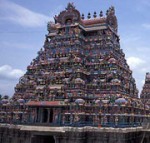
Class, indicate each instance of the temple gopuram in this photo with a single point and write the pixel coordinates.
(78, 89)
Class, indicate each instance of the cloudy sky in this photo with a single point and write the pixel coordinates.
(23, 28)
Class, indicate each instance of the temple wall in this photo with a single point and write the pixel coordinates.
(15, 134)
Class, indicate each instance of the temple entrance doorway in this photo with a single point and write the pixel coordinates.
(42, 139)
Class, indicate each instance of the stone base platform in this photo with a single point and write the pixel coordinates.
(44, 134)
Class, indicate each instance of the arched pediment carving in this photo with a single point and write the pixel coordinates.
(68, 16)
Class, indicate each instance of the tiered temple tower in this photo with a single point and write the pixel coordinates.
(80, 77)
(145, 94)
(80, 58)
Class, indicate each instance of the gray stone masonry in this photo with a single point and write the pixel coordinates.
(44, 134)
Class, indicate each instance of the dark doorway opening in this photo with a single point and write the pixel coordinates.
(37, 112)
(45, 115)
(88, 120)
(42, 139)
(51, 116)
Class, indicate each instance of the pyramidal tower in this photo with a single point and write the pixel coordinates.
(81, 58)
(145, 94)
(80, 77)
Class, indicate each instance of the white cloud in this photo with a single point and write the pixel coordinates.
(145, 68)
(21, 15)
(135, 62)
(7, 87)
(143, 81)
(17, 45)
(7, 72)
(146, 26)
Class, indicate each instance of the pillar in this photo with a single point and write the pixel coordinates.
(41, 113)
(48, 115)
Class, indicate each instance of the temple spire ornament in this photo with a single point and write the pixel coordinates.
(70, 6)
(94, 15)
(101, 14)
(82, 16)
(89, 15)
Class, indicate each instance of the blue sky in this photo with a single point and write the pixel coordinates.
(23, 28)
